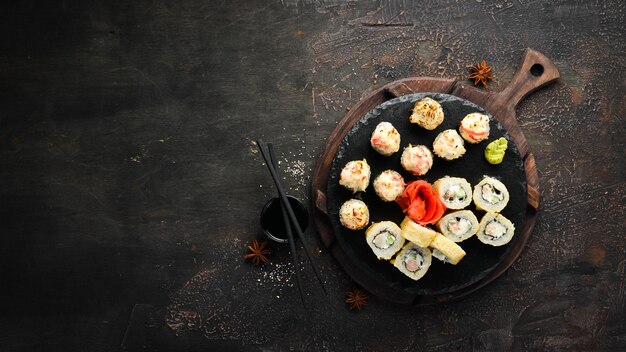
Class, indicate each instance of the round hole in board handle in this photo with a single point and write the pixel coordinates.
(536, 70)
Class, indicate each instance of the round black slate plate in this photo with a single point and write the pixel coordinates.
(480, 259)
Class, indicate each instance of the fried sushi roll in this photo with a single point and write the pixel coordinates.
(389, 185)
(355, 176)
(416, 233)
(454, 192)
(495, 230)
(354, 214)
(475, 127)
(427, 113)
(449, 145)
(417, 159)
(459, 225)
(490, 195)
(384, 239)
(413, 261)
(385, 139)
(446, 250)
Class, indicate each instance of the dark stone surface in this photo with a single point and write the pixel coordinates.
(129, 183)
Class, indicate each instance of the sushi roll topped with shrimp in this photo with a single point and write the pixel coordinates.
(417, 159)
(385, 139)
(475, 127)
(355, 176)
(389, 185)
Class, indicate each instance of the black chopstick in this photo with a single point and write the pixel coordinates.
(292, 245)
(287, 206)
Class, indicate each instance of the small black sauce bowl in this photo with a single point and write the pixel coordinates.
(272, 219)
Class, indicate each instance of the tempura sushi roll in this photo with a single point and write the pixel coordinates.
(454, 192)
(389, 185)
(413, 261)
(475, 127)
(384, 239)
(449, 145)
(417, 159)
(354, 214)
(459, 225)
(427, 113)
(385, 139)
(495, 230)
(416, 233)
(490, 195)
(446, 250)
(355, 176)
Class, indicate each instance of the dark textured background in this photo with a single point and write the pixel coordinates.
(129, 183)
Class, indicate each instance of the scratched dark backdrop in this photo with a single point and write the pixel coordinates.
(129, 182)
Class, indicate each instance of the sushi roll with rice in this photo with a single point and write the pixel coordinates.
(385, 139)
(384, 239)
(454, 192)
(490, 195)
(355, 176)
(417, 159)
(427, 113)
(446, 250)
(475, 127)
(449, 145)
(354, 214)
(495, 230)
(459, 225)
(416, 233)
(389, 185)
(413, 261)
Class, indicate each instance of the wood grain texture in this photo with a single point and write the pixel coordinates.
(129, 183)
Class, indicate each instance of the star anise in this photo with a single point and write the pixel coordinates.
(258, 253)
(480, 73)
(356, 298)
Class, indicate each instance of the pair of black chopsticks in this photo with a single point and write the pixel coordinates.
(289, 217)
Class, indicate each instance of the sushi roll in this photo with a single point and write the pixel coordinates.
(413, 261)
(495, 230)
(355, 176)
(416, 159)
(389, 185)
(354, 214)
(416, 233)
(446, 250)
(459, 225)
(475, 127)
(454, 192)
(384, 239)
(449, 145)
(490, 195)
(385, 139)
(427, 113)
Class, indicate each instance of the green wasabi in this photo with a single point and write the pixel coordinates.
(494, 153)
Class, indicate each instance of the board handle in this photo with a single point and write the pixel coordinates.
(535, 71)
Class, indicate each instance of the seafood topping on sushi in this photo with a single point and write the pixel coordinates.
(416, 159)
(427, 113)
(449, 145)
(354, 214)
(355, 176)
(475, 127)
(389, 185)
(385, 139)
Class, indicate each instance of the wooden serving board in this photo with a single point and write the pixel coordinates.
(535, 71)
